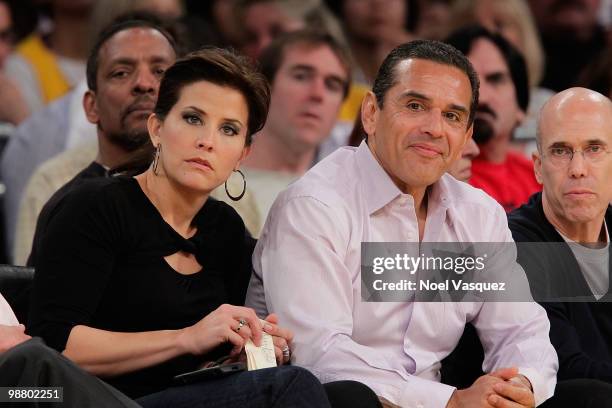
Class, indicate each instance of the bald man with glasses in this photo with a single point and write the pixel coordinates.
(570, 275)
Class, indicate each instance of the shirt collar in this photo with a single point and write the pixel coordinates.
(378, 188)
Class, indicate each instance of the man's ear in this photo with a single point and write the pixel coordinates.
(369, 114)
(537, 166)
(153, 126)
(90, 107)
(520, 117)
(468, 135)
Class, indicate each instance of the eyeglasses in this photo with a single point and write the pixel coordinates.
(563, 155)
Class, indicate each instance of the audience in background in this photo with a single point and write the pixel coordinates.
(513, 20)
(264, 20)
(59, 126)
(572, 38)
(13, 108)
(46, 65)
(217, 18)
(309, 75)
(220, 15)
(373, 28)
(505, 175)
(598, 76)
(434, 17)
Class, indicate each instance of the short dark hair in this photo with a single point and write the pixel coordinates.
(221, 67)
(273, 56)
(429, 50)
(464, 38)
(122, 23)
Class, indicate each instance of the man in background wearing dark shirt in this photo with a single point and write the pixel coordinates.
(123, 74)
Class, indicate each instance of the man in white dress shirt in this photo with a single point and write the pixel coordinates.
(393, 188)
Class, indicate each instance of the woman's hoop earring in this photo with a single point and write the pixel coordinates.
(156, 158)
(236, 198)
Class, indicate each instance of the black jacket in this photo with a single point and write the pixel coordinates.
(581, 332)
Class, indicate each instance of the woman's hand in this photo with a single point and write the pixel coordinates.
(233, 324)
(281, 337)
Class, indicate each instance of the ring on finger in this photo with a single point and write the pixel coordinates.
(286, 352)
(241, 323)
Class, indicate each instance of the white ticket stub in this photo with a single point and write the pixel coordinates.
(262, 356)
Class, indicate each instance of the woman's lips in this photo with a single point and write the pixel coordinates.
(200, 163)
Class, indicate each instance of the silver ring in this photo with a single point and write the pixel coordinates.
(286, 352)
(241, 323)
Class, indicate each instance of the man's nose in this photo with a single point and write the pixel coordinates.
(318, 89)
(577, 167)
(432, 124)
(146, 82)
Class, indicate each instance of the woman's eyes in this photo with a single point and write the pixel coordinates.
(192, 119)
(229, 130)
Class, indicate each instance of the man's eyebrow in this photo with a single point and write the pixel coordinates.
(414, 94)
(304, 67)
(497, 75)
(459, 108)
(122, 61)
(159, 58)
(418, 95)
(596, 141)
(131, 61)
(557, 144)
(588, 142)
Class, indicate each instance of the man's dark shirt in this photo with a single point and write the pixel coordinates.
(581, 332)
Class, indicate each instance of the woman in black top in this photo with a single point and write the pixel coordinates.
(136, 278)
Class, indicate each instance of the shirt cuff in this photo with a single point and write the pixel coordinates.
(421, 393)
(542, 389)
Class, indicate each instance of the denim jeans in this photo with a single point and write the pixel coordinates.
(282, 387)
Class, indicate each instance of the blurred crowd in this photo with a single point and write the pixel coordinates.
(46, 137)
